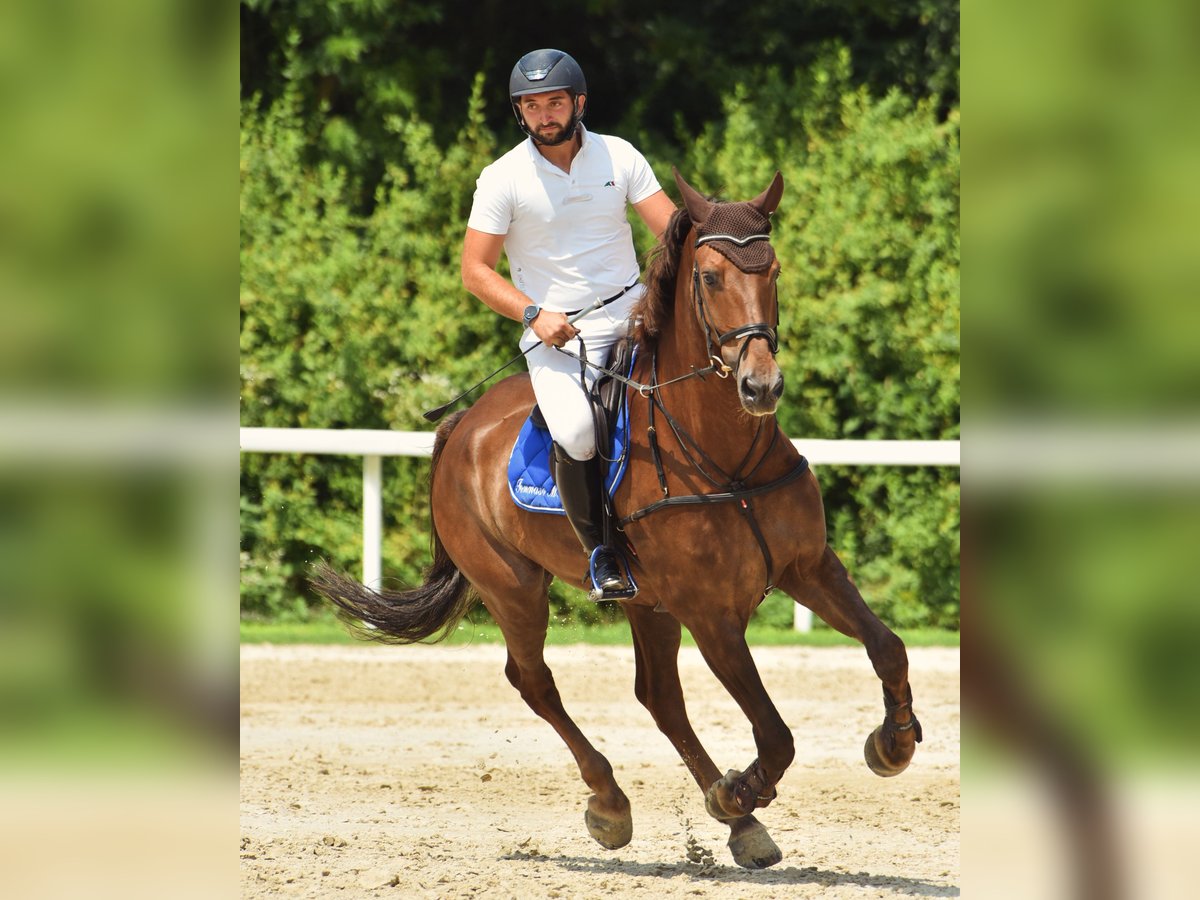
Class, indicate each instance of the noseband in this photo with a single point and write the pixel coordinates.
(750, 331)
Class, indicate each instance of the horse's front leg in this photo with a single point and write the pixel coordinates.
(656, 637)
(656, 650)
(722, 641)
(828, 591)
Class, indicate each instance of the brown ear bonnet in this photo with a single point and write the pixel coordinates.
(738, 231)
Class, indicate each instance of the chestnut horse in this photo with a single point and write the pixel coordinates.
(716, 504)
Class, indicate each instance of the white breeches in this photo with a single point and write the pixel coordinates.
(556, 381)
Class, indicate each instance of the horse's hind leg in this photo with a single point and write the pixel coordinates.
(523, 619)
(828, 591)
(656, 650)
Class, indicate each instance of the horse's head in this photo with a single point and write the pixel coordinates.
(733, 288)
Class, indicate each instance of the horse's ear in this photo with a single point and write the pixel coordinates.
(768, 201)
(698, 208)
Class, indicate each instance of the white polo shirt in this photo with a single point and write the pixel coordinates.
(567, 238)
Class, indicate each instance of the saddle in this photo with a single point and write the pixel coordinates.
(530, 482)
(608, 397)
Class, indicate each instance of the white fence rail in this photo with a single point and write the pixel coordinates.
(372, 446)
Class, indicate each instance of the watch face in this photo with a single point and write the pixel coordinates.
(530, 314)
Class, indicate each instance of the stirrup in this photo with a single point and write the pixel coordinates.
(597, 593)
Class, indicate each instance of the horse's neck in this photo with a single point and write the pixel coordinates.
(706, 408)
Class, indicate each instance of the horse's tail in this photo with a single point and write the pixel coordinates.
(403, 617)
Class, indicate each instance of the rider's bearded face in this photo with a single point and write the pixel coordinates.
(548, 114)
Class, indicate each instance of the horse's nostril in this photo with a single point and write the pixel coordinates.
(756, 393)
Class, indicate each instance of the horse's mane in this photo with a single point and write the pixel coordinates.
(653, 311)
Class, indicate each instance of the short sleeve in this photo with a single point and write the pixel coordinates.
(642, 181)
(491, 209)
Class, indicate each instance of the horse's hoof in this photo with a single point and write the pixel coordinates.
(876, 761)
(609, 832)
(720, 800)
(752, 847)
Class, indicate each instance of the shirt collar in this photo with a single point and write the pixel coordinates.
(541, 160)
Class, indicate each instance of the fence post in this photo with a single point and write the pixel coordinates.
(802, 618)
(372, 521)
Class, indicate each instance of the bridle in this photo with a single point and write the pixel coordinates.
(717, 365)
(767, 332)
(732, 486)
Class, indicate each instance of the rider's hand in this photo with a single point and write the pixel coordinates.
(553, 329)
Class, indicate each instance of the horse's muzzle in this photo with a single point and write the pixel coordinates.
(760, 396)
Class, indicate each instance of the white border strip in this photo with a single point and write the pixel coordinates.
(344, 441)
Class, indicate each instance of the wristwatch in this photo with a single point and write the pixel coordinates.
(531, 313)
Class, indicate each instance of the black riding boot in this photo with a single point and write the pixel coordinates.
(579, 487)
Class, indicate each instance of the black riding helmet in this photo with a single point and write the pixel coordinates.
(547, 70)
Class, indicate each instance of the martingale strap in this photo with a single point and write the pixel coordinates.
(737, 491)
(739, 494)
(721, 497)
(652, 437)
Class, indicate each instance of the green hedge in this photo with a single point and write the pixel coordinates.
(361, 321)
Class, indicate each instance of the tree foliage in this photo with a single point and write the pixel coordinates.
(656, 72)
(348, 321)
(353, 314)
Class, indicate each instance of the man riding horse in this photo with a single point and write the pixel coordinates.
(721, 507)
(556, 204)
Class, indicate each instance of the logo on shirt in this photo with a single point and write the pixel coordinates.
(610, 184)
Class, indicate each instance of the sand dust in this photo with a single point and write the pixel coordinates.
(372, 771)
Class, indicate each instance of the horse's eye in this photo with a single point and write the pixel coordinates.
(710, 278)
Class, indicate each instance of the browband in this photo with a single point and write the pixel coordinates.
(741, 242)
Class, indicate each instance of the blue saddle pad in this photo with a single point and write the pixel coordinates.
(530, 481)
